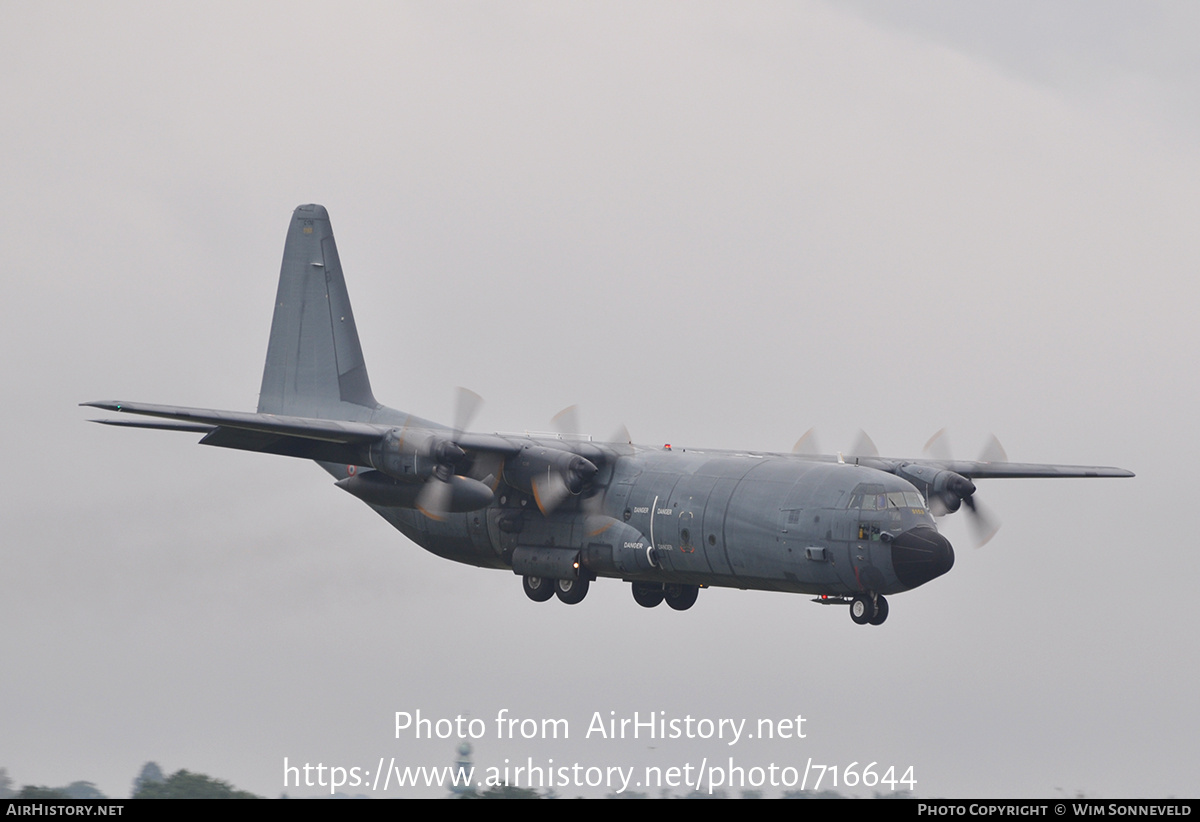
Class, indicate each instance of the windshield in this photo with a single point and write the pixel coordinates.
(873, 497)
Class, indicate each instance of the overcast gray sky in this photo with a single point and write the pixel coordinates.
(719, 224)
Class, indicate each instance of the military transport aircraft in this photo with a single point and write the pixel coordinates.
(561, 510)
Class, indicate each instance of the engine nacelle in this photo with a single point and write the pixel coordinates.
(537, 464)
(414, 455)
(944, 490)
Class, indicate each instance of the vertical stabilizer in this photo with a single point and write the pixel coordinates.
(315, 363)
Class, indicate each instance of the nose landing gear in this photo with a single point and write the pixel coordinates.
(868, 609)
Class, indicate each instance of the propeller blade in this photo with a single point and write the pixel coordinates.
(806, 446)
(938, 447)
(549, 491)
(595, 522)
(863, 446)
(937, 507)
(993, 451)
(566, 421)
(466, 405)
(442, 495)
(434, 499)
(621, 440)
(983, 527)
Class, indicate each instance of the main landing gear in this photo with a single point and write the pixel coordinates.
(867, 608)
(539, 589)
(648, 594)
(676, 595)
(570, 591)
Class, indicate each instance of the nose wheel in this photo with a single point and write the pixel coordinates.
(881, 611)
(867, 609)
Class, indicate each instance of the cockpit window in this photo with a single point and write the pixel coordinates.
(868, 497)
(873, 497)
(905, 499)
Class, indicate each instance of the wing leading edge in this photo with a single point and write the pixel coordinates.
(1026, 470)
(1000, 470)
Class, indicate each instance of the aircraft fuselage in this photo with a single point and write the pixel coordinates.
(714, 519)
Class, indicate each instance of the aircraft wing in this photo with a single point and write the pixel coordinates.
(305, 427)
(999, 470)
(1028, 470)
(159, 426)
(326, 440)
(305, 437)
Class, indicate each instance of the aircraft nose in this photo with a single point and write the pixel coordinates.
(921, 554)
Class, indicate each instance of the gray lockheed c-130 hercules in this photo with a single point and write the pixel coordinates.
(561, 510)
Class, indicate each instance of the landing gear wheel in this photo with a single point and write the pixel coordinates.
(881, 611)
(647, 594)
(862, 609)
(680, 597)
(571, 591)
(539, 589)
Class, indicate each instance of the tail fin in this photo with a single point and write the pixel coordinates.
(315, 365)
